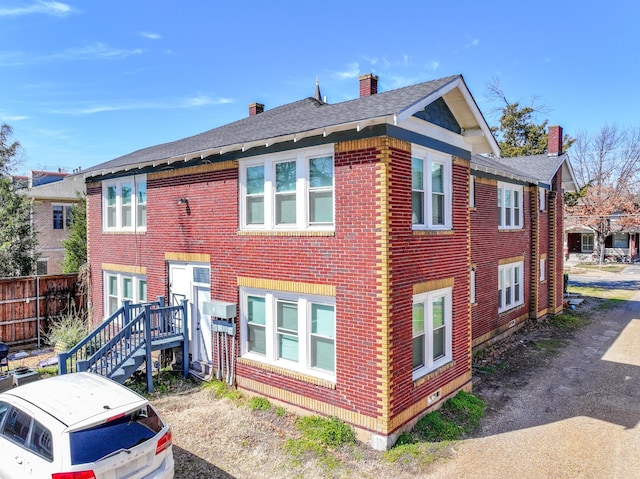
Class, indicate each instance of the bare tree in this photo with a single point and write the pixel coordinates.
(606, 164)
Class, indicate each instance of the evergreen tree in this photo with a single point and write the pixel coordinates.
(517, 133)
(17, 238)
(75, 246)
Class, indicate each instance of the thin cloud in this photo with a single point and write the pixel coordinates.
(53, 8)
(182, 103)
(150, 36)
(352, 71)
(97, 50)
(12, 118)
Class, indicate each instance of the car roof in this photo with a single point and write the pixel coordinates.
(78, 399)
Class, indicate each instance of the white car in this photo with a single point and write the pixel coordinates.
(81, 426)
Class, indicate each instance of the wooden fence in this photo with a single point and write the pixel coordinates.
(29, 303)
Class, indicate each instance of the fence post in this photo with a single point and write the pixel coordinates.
(185, 335)
(147, 340)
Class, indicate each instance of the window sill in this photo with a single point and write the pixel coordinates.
(512, 308)
(510, 230)
(124, 232)
(286, 233)
(288, 373)
(448, 232)
(432, 374)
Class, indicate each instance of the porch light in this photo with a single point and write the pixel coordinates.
(184, 201)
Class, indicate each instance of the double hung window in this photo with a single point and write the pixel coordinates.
(291, 331)
(510, 206)
(121, 286)
(125, 204)
(510, 285)
(62, 216)
(288, 191)
(430, 190)
(431, 326)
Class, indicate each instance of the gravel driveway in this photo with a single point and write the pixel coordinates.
(576, 418)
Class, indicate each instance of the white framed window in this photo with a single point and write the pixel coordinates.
(432, 335)
(510, 285)
(543, 269)
(288, 191)
(543, 198)
(510, 206)
(121, 286)
(472, 191)
(124, 204)
(430, 190)
(289, 330)
(62, 216)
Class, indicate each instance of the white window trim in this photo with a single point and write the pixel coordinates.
(472, 281)
(427, 298)
(543, 198)
(503, 271)
(304, 303)
(133, 181)
(502, 188)
(543, 269)
(429, 157)
(301, 157)
(472, 191)
(136, 278)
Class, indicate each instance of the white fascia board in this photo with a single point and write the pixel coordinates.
(436, 132)
(504, 174)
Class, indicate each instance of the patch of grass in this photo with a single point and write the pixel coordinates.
(164, 382)
(569, 320)
(258, 403)
(457, 416)
(550, 345)
(221, 390)
(608, 267)
(281, 412)
(328, 431)
(319, 436)
(48, 371)
(412, 453)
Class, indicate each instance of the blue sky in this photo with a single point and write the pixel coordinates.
(86, 82)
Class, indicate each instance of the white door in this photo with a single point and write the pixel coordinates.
(190, 281)
(201, 347)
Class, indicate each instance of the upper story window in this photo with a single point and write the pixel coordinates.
(290, 331)
(432, 335)
(510, 206)
(121, 286)
(124, 204)
(62, 216)
(543, 199)
(510, 285)
(289, 191)
(430, 190)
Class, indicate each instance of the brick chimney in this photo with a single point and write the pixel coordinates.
(255, 108)
(368, 85)
(554, 142)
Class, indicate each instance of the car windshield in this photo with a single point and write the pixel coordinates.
(93, 444)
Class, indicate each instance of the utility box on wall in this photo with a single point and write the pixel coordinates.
(219, 309)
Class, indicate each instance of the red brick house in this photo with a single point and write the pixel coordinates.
(359, 241)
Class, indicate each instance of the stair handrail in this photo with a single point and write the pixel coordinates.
(101, 334)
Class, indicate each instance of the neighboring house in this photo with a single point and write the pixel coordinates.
(52, 202)
(622, 244)
(367, 246)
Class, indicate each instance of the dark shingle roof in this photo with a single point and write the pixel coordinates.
(297, 117)
(541, 167)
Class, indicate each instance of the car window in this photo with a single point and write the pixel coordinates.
(40, 442)
(125, 432)
(4, 407)
(16, 427)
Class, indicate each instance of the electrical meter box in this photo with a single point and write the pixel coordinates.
(219, 309)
